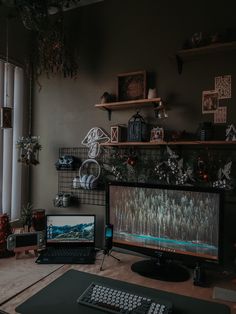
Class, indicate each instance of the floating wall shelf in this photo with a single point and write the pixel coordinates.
(152, 144)
(191, 54)
(121, 105)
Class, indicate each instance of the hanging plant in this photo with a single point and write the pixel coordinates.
(50, 53)
(29, 148)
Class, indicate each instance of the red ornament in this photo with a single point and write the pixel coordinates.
(131, 161)
(5, 231)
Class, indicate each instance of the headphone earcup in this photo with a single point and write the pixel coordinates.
(93, 183)
(83, 181)
(89, 182)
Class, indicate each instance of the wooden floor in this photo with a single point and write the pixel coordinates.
(121, 271)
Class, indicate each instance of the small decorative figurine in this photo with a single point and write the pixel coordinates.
(105, 98)
(152, 93)
(231, 133)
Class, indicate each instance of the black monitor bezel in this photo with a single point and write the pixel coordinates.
(188, 258)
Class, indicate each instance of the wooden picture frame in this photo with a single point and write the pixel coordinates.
(131, 86)
(157, 135)
(6, 117)
(210, 101)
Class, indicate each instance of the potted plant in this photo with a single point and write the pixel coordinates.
(26, 216)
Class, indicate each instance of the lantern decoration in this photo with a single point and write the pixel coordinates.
(118, 133)
(137, 129)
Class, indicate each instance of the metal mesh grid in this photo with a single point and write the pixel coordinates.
(96, 196)
(143, 171)
(65, 179)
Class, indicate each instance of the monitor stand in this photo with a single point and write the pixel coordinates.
(165, 270)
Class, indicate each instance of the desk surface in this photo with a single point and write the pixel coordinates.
(121, 271)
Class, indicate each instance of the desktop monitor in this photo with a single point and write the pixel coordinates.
(167, 223)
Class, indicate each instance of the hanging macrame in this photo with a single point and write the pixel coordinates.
(29, 146)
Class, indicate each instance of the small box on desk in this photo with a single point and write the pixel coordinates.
(118, 133)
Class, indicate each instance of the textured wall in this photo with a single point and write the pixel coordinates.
(122, 36)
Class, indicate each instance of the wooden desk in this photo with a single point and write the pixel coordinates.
(121, 271)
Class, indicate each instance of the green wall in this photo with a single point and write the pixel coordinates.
(118, 36)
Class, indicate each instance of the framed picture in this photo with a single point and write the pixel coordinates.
(157, 135)
(131, 86)
(210, 101)
(6, 117)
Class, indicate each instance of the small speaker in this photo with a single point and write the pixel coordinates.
(108, 237)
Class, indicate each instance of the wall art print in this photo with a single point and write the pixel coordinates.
(223, 86)
(210, 101)
(220, 115)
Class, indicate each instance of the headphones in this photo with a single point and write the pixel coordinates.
(89, 181)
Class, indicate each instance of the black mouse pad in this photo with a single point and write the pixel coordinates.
(60, 297)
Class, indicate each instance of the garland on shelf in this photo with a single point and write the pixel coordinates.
(173, 171)
(169, 168)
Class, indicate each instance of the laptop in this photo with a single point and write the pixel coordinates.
(69, 239)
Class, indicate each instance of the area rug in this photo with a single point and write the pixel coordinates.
(19, 274)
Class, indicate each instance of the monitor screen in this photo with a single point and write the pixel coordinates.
(70, 228)
(174, 221)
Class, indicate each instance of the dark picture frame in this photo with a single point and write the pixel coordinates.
(210, 101)
(131, 86)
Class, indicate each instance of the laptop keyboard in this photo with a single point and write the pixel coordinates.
(82, 255)
(71, 252)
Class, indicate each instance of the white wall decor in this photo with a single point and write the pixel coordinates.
(93, 139)
(223, 86)
(220, 115)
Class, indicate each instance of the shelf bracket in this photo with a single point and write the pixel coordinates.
(179, 64)
(109, 113)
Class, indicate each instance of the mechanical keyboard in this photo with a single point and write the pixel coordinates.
(116, 301)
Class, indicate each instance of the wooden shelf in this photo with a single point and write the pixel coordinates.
(151, 144)
(129, 104)
(190, 54)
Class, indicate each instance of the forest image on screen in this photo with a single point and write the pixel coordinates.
(184, 222)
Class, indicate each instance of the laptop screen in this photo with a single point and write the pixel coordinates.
(70, 229)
